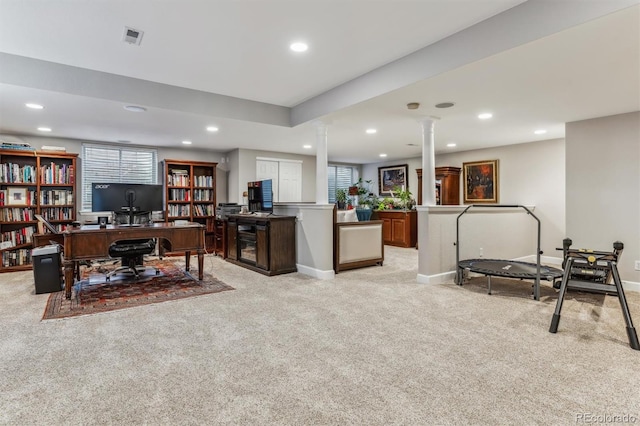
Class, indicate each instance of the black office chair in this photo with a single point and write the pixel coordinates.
(132, 254)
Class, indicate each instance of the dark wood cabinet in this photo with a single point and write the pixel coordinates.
(447, 185)
(232, 246)
(399, 227)
(220, 238)
(265, 244)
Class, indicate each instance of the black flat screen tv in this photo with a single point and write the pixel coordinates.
(119, 197)
(260, 196)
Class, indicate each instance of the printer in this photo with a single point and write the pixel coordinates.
(225, 209)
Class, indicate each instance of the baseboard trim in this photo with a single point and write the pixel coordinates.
(631, 286)
(444, 277)
(316, 273)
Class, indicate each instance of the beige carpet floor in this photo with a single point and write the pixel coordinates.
(370, 347)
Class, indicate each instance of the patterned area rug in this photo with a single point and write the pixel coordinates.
(93, 294)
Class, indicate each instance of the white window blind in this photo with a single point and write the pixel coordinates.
(339, 177)
(104, 163)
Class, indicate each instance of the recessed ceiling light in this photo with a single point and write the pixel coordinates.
(383, 155)
(44, 129)
(371, 131)
(445, 105)
(451, 145)
(485, 116)
(34, 106)
(412, 144)
(186, 142)
(135, 108)
(413, 105)
(306, 146)
(123, 141)
(299, 46)
(540, 132)
(212, 129)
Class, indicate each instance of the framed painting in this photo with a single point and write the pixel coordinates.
(390, 177)
(17, 196)
(480, 182)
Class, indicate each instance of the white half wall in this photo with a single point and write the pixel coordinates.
(314, 237)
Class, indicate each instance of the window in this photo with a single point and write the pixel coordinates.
(339, 177)
(104, 163)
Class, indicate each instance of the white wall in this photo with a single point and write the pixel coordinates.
(529, 174)
(245, 171)
(603, 186)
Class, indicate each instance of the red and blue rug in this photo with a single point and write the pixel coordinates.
(93, 294)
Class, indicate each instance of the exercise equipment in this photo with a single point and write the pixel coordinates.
(502, 267)
(509, 269)
(593, 271)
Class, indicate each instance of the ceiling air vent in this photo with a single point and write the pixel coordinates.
(132, 36)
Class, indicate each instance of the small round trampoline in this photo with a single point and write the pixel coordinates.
(505, 268)
(510, 269)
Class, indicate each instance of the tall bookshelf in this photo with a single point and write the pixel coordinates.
(191, 194)
(33, 182)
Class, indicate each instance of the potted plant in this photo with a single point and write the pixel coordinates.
(366, 199)
(341, 198)
(405, 198)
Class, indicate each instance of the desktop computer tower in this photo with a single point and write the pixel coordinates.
(47, 270)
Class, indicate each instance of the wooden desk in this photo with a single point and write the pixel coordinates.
(92, 242)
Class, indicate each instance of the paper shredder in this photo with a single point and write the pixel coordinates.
(47, 270)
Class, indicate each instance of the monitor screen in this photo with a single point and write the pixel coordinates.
(120, 196)
(260, 196)
(267, 195)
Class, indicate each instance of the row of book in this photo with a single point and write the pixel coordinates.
(16, 214)
(179, 210)
(16, 257)
(57, 213)
(179, 195)
(17, 173)
(180, 179)
(17, 146)
(57, 173)
(202, 195)
(49, 174)
(19, 236)
(203, 181)
(56, 197)
(204, 209)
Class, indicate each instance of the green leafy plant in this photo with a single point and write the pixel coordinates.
(405, 198)
(366, 198)
(386, 204)
(341, 195)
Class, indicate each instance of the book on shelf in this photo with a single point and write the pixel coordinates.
(53, 148)
(17, 146)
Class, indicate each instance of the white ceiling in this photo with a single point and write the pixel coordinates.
(239, 49)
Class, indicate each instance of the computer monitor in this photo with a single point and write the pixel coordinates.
(126, 197)
(260, 196)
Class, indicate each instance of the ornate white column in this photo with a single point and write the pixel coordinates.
(428, 162)
(322, 179)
